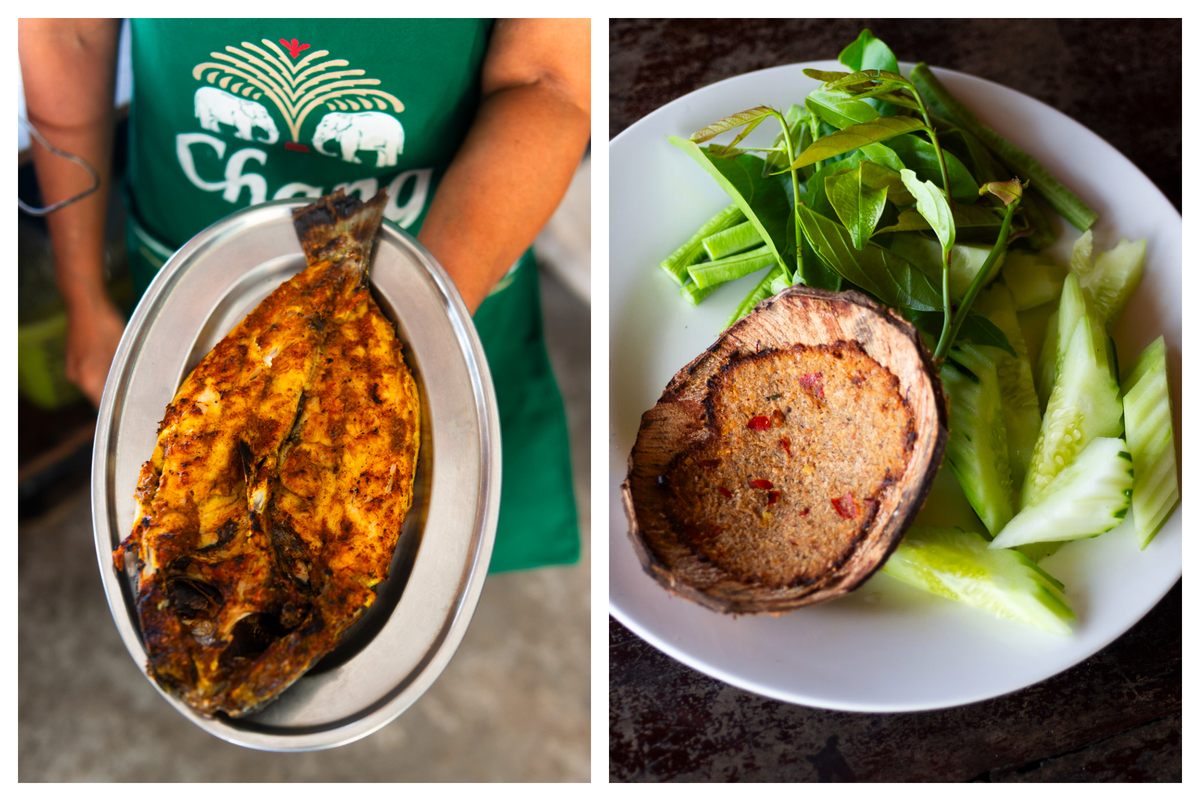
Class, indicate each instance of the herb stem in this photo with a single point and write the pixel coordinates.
(1060, 198)
(977, 282)
(933, 139)
(791, 154)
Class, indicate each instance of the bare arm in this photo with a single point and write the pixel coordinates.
(68, 68)
(519, 155)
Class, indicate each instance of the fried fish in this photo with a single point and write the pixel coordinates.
(280, 479)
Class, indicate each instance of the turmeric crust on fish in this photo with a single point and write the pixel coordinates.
(280, 480)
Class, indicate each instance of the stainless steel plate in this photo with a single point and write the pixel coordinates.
(390, 657)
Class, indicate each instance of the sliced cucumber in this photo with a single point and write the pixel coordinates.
(977, 449)
(1047, 363)
(1081, 253)
(1072, 307)
(1033, 330)
(1151, 438)
(1018, 398)
(965, 260)
(1087, 498)
(1112, 277)
(1084, 404)
(958, 564)
(1033, 279)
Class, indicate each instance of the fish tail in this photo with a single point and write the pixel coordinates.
(340, 227)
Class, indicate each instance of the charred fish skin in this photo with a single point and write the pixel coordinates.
(266, 474)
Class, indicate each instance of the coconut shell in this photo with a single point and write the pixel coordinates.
(781, 466)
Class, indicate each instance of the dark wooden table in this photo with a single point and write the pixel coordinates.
(1114, 717)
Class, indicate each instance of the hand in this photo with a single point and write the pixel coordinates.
(93, 331)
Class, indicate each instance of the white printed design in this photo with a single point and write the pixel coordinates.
(235, 177)
(366, 130)
(215, 107)
(296, 86)
(251, 86)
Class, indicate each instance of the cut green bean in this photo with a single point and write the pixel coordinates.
(676, 265)
(695, 294)
(730, 268)
(1060, 198)
(761, 292)
(742, 236)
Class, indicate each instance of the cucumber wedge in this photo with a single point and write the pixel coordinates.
(1032, 278)
(958, 564)
(977, 449)
(1112, 277)
(1151, 437)
(1018, 398)
(1072, 307)
(1087, 498)
(1084, 404)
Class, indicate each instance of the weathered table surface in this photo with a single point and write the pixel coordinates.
(1114, 717)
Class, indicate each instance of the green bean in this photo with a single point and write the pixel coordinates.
(690, 252)
(1060, 198)
(730, 268)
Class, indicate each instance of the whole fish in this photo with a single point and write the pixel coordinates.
(280, 479)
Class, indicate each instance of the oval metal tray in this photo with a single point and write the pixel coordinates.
(404, 640)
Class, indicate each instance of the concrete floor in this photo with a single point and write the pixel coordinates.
(513, 705)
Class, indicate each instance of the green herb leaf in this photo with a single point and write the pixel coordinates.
(883, 155)
(883, 274)
(839, 110)
(973, 217)
(921, 157)
(932, 205)
(826, 76)
(887, 95)
(868, 80)
(854, 137)
(1009, 192)
(751, 117)
(762, 198)
(976, 329)
(859, 207)
(877, 176)
(867, 52)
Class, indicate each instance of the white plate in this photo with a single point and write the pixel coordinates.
(886, 647)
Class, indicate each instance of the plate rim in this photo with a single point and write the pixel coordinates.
(469, 583)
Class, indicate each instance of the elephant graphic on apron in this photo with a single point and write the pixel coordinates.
(364, 130)
(215, 106)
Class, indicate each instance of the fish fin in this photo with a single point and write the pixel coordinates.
(340, 227)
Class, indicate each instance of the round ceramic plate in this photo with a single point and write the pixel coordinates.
(404, 640)
(885, 647)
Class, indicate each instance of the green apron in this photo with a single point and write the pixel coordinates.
(230, 113)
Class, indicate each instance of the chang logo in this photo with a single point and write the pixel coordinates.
(274, 74)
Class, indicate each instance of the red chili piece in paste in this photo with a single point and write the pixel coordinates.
(773, 496)
(814, 383)
(845, 506)
(725, 491)
(786, 444)
(761, 483)
(759, 423)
